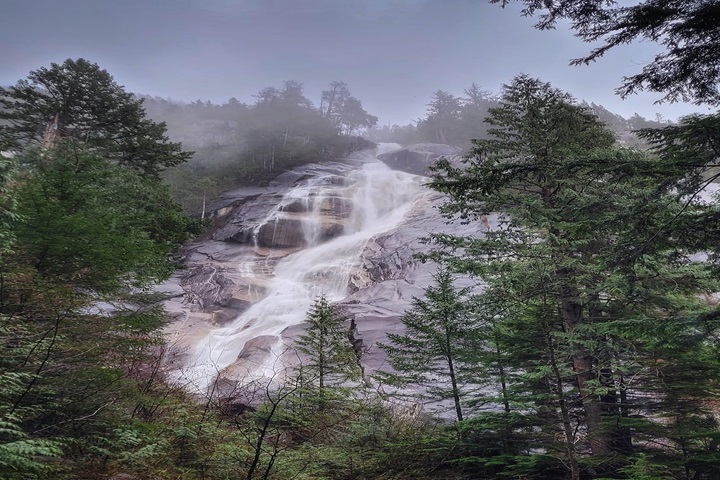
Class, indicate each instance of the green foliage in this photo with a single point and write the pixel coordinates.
(688, 150)
(444, 113)
(457, 120)
(686, 68)
(642, 468)
(588, 285)
(329, 359)
(8, 204)
(343, 110)
(93, 223)
(78, 100)
(20, 454)
(88, 222)
(441, 346)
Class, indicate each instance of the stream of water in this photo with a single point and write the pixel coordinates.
(380, 199)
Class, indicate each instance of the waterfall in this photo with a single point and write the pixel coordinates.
(369, 201)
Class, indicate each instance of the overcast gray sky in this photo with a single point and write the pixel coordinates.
(393, 54)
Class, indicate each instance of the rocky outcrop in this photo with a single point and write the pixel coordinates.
(417, 159)
(227, 274)
(390, 276)
(220, 291)
(258, 214)
(303, 222)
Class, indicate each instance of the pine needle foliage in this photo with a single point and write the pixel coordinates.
(589, 283)
(80, 101)
(438, 354)
(329, 359)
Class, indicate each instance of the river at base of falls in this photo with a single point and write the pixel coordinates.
(380, 199)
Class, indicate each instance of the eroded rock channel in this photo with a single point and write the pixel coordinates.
(346, 229)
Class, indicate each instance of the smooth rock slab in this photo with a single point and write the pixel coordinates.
(418, 158)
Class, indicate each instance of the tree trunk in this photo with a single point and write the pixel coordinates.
(455, 389)
(51, 133)
(583, 364)
(503, 381)
(600, 441)
(568, 430)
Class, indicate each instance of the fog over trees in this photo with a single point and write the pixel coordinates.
(237, 144)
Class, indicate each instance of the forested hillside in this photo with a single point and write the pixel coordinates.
(456, 120)
(235, 144)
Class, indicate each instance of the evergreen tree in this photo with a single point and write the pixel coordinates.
(687, 66)
(8, 202)
(443, 118)
(80, 101)
(20, 455)
(440, 349)
(87, 220)
(92, 223)
(575, 300)
(329, 358)
(343, 110)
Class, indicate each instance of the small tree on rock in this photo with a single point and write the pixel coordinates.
(330, 357)
(440, 347)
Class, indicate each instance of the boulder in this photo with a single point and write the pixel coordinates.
(281, 232)
(418, 158)
(336, 207)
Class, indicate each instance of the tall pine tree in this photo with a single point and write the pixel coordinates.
(584, 300)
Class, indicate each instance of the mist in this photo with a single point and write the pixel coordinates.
(392, 55)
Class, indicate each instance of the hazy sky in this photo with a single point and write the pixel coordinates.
(393, 54)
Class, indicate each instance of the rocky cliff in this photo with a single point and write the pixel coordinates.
(347, 229)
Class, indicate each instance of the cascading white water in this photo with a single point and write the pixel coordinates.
(380, 199)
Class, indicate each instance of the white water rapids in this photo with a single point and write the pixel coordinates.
(379, 198)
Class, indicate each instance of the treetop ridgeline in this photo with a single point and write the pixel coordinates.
(78, 100)
(234, 144)
(238, 144)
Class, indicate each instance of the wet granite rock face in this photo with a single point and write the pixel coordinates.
(336, 207)
(304, 221)
(381, 287)
(249, 219)
(241, 223)
(206, 285)
(219, 291)
(213, 289)
(281, 232)
(417, 159)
